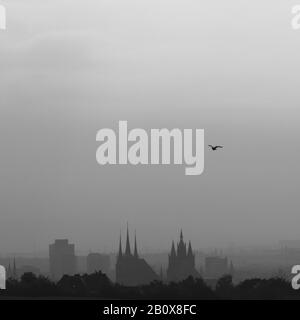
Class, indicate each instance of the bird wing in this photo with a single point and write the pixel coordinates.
(219, 147)
(210, 145)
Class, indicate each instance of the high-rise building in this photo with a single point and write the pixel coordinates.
(98, 262)
(62, 258)
(181, 263)
(131, 270)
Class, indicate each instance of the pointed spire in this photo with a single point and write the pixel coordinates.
(181, 246)
(9, 271)
(127, 249)
(173, 252)
(120, 246)
(135, 246)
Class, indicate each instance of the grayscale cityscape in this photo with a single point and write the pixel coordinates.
(150, 149)
(129, 266)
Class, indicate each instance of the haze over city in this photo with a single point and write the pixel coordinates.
(70, 68)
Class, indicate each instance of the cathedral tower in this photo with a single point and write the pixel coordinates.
(181, 263)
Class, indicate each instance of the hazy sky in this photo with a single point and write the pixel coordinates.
(71, 67)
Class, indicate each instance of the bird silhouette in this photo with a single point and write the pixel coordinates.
(214, 148)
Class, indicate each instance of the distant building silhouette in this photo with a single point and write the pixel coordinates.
(181, 263)
(217, 266)
(98, 262)
(131, 270)
(62, 258)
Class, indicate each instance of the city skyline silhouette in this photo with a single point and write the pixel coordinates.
(75, 73)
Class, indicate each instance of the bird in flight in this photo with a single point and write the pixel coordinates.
(214, 148)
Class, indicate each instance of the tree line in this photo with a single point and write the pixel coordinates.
(98, 285)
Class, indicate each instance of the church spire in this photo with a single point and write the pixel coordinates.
(173, 252)
(181, 246)
(127, 249)
(9, 271)
(135, 246)
(120, 247)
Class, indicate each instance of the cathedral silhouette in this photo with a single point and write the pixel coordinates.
(182, 262)
(131, 270)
